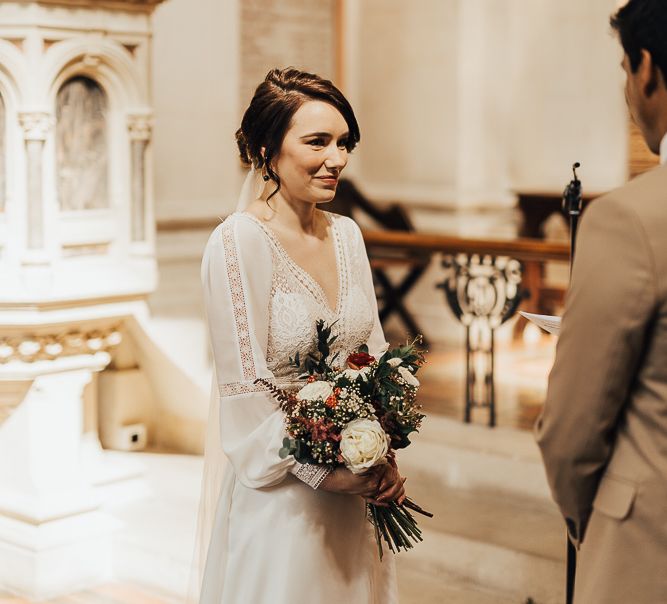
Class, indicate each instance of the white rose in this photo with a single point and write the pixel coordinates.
(353, 374)
(313, 391)
(395, 361)
(363, 445)
(408, 377)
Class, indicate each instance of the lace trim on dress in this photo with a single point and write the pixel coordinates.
(303, 276)
(312, 474)
(236, 388)
(238, 304)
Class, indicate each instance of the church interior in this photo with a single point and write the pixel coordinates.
(117, 160)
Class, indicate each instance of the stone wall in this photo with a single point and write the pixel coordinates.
(282, 33)
(463, 102)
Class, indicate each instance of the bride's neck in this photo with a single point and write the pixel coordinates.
(299, 216)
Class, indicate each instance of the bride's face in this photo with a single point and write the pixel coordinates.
(313, 153)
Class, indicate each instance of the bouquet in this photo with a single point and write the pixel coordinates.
(358, 417)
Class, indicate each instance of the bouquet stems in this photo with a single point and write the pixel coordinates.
(396, 525)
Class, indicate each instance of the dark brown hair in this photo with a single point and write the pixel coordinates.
(642, 24)
(269, 115)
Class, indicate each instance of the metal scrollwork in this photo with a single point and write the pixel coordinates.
(483, 292)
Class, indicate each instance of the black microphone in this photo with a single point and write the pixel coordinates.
(572, 194)
(572, 203)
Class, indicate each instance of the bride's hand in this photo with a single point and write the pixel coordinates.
(390, 487)
(341, 480)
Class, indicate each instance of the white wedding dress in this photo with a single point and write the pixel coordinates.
(274, 538)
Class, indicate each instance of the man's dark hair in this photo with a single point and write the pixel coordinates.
(642, 24)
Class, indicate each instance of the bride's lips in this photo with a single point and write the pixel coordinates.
(329, 180)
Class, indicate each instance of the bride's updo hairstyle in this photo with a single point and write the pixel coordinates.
(269, 115)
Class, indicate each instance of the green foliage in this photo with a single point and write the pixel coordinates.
(379, 392)
(298, 449)
(318, 363)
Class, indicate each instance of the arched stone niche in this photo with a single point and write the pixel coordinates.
(82, 153)
(121, 225)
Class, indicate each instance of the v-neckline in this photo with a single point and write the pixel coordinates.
(316, 288)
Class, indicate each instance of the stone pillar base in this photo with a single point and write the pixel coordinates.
(54, 538)
(56, 557)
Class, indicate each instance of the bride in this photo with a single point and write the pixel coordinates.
(279, 531)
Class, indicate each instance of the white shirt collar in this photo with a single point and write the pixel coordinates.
(663, 150)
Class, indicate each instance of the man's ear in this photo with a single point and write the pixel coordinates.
(648, 73)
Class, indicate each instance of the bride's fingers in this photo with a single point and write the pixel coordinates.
(391, 493)
(370, 489)
(389, 478)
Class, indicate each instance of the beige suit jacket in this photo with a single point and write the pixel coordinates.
(603, 431)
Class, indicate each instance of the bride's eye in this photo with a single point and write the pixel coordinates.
(342, 144)
(316, 142)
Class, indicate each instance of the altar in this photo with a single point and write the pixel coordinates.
(78, 362)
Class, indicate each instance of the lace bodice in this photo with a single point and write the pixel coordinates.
(297, 300)
(262, 309)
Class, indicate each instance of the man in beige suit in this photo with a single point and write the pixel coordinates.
(603, 432)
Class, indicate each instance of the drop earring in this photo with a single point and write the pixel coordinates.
(265, 177)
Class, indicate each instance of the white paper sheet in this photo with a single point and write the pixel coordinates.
(547, 322)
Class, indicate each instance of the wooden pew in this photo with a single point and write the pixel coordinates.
(391, 298)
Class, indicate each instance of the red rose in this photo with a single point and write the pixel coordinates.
(358, 360)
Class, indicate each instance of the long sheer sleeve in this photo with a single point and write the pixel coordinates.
(236, 278)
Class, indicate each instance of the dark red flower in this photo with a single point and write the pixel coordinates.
(389, 422)
(358, 360)
(322, 429)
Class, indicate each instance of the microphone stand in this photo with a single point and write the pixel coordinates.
(572, 206)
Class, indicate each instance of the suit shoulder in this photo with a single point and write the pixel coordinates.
(644, 194)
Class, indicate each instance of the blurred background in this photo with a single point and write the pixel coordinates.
(117, 160)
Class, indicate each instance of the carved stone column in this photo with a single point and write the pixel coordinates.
(140, 128)
(36, 127)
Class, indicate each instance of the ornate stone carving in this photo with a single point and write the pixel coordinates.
(30, 348)
(140, 127)
(91, 60)
(36, 125)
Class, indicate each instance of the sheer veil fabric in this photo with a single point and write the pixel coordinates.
(214, 457)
